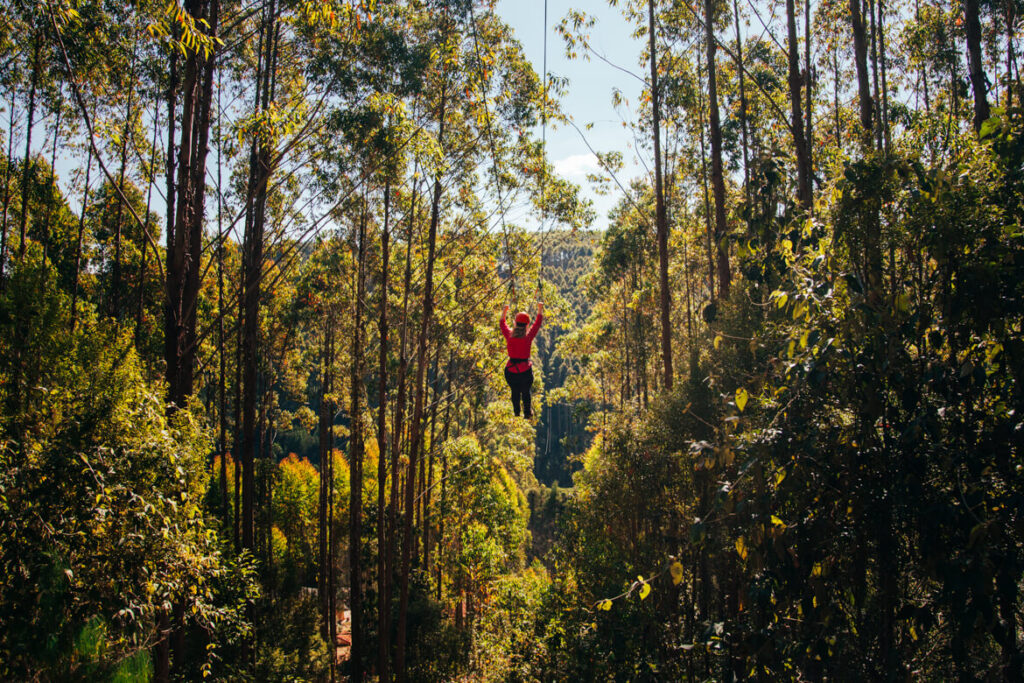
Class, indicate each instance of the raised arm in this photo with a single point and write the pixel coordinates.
(536, 321)
(504, 325)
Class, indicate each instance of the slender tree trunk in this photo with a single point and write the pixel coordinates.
(717, 175)
(78, 243)
(8, 165)
(659, 203)
(743, 100)
(27, 162)
(355, 465)
(877, 121)
(886, 134)
(1010, 17)
(332, 596)
(809, 86)
(979, 81)
(260, 157)
(803, 171)
(115, 289)
(860, 58)
(151, 178)
(708, 230)
(399, 419)
(44, 233)
(185, 231)
(835, 95)
(383, 603)
(323, 534)
(417, 431)
(431, 452)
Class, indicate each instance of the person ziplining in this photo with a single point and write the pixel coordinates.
(519, 369)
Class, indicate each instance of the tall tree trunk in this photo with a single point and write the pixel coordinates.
(860, 58)
(717, 177)
(259, 173)
(809, 86)
(659, 203)
(27, 161)
(383, 602)
(417, 419)
(399, 418)
(708, 230)
(185, 203)
(151, 179)
(185, 232)
(877, 122)
(222, 416)
(51, 198)
(741, 74)
(886, 134)
(803, 171)
(979, 81)
(323, 534)
(1010, 19)
(8, 165)
(428, 480)
(332, 540)
(115, 288)
(355, 465)
(78, 242)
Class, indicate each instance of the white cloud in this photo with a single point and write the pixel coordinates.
(576, 166)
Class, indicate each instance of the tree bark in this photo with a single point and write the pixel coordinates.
(743, 100)
(860, 58)
(383, 602)
(979, 81)
(259, 174)
(717, 175)
(708, 230)
(9, 163)
(27, 161)
(661, 219)
(803, 171)
(355, 465)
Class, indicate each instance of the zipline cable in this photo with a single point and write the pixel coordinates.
(543, 151)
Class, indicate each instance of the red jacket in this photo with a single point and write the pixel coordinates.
(519, 347)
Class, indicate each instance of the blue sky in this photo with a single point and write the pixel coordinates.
(591, 83)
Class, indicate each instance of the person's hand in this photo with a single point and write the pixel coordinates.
(540, 306)
(505, 310)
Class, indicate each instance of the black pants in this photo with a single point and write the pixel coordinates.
(520, 384)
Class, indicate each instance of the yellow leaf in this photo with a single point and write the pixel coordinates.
(605, 605)
(718, 340)
(741, 398)
(645, 590)
(777, 522)
(741, 548)
(676, 570)
(779, 476)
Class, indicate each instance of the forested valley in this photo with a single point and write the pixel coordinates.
(253, 418)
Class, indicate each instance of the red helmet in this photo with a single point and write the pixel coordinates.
(522, 318)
